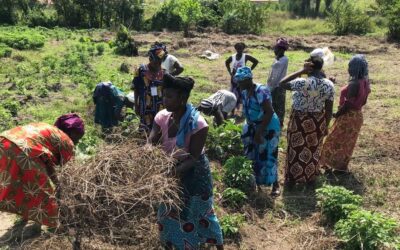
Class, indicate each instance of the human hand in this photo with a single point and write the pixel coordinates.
(332, 79)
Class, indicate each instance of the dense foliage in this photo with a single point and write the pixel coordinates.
(224, 141)
(230, 224)
(368, 230)
(346, 18)
(233, 197)
(337, 202)
(239, 174)
(391, 10)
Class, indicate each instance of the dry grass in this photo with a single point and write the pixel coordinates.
(113, 196)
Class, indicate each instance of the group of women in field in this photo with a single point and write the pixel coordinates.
(29, 154)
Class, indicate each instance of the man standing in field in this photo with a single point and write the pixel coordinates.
(170, 64)
(234, 62)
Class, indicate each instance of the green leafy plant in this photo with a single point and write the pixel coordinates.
(100, 49)
(233, 197)
(390, 9)
(243, 17)
(5, 51)
(12, 106)
(43, 92)
(22, 39)
(239, 173)
(337, 202)
(230, 224)
(190, 13)
(367, 230)
(124, 44)
(345, 18)
(224, 141)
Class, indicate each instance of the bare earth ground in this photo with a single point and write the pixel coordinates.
(292, 221)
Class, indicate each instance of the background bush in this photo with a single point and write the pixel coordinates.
(390, 9)
(5, 51)
(124, 43)
(367, 230)
(345, 19)
(21, 39)
(243, 17)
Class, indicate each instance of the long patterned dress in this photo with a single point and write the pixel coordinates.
(307, 127)
(26, 153)
(265, 155)
(197, 222)
(149, 88)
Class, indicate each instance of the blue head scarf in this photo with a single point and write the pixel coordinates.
(243, 73)
(358, 67)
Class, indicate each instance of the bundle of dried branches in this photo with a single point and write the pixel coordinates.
(114, 195)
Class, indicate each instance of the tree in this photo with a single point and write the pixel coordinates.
(190, 13)
(390, 9)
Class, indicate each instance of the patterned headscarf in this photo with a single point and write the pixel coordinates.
(70, 122)
(243, 73)
(157, 52)
(358, 67)
(282, 43)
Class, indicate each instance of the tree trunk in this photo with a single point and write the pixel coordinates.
(305, 7)
(317, 6)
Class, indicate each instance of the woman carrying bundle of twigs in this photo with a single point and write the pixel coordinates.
(182, 131)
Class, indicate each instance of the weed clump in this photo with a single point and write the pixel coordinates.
(337, 202)
(239, 174)
(368, 230)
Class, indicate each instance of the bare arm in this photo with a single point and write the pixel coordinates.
(285, 82)
(196, 146)
(219, 117)
(253, 60)
(328, 113)
(178, 69)
(228, 65)
(351, 93)
(155, 134)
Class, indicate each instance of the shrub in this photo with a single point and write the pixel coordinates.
(44, 17)
(243, 17)
(367, 230)
(224, 141)
(166, 17)
(5, 119)
(234, 197)
(190, 12)
(43, 92)
(211, 14)
(5, 51)
(345, 19)
(337, 202)
(391, 11)
(124, 68)
(230, 224)
(125, 45)
(12, 106)
(100, 49)
(239, 173)
(19, 39)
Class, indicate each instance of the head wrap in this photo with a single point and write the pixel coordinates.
(70, 122)
(157, 52)
(358, 67)
(208, 104)
(243, 73)
(282, 43)
(183, 84)
(317, 53)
